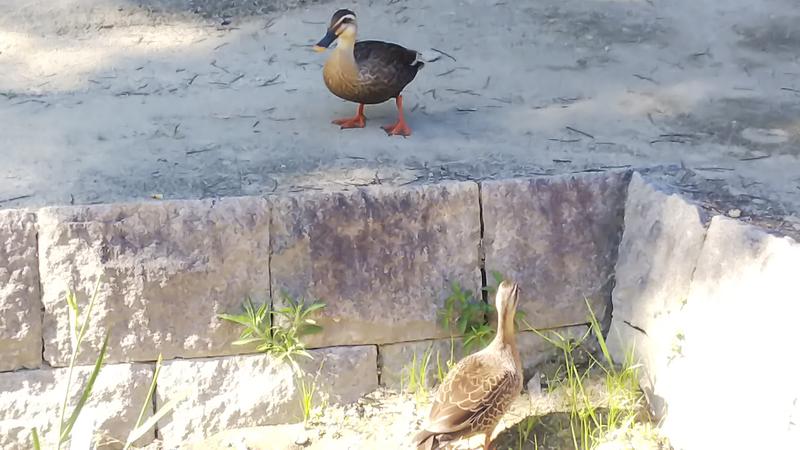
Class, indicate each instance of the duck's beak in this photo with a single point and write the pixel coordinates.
(326, 41)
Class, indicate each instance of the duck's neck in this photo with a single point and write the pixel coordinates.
(505, 332)
(343, 55)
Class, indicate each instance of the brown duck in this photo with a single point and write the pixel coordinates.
(480, 388)
(366, 72)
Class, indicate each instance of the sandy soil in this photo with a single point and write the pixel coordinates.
(106, 100)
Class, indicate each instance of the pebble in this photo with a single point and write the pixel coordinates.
(735, 213)
(535, 385)
(302, 440)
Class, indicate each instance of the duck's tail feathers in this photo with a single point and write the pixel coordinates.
(427, 57)
(425, 440)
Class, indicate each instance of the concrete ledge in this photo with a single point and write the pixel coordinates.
(33, 398)
(20, 304)
(382, 259)
(169, 268)
(245, 391)
(559, 237)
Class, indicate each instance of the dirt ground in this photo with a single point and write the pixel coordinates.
(112, 100)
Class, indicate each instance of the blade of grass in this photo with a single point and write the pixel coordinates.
(598, 332)
(150, 422)
(87, 390)
(147, 402)
(78, 338)
(35, 439)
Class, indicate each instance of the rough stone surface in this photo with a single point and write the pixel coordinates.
(658, 254)
(734, 351)
(168, 269)
(20, 307)
(558, 238)
(245, 391)
(33, 398)
(382, 259)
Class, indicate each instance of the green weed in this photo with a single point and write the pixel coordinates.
(414, 378)
(279, 332)
(590, 423)
(308, 388)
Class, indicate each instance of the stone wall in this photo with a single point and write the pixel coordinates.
(689, 292)
(382, 259)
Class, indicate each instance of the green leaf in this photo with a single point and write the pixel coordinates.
(240, 319)
(87, 391)
(314, 307)
(35, 439)
(246, 341)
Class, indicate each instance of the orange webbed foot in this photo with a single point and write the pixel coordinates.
(357, 121)
(398, 129)
(351, 122)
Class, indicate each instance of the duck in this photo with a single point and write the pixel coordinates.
(366, 72)
(480, 388)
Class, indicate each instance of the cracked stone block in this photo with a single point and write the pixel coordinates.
(663, 237)
(558, 238)
(33, 398)
(254, 390)
(20, 305)
(735, 351)
(168, 269)
(382, 259)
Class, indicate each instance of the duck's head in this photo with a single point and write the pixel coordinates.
(342, 27)
(506, 302)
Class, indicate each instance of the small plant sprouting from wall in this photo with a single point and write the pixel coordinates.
(308, 389)
(66, 425)
(465, 314)
(280, 332)
(277, 331)
(414, 378)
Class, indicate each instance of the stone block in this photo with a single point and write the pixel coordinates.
(558, 238)
(254, 390)
(33, 398)
(382, 259)
(168, 269)
(736, 345)
(20, 305)
(658, 254)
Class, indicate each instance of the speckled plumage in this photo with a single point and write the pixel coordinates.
(480, 388)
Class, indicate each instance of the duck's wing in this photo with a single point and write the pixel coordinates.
(385, 53)
(385, 68)
(472, 396)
